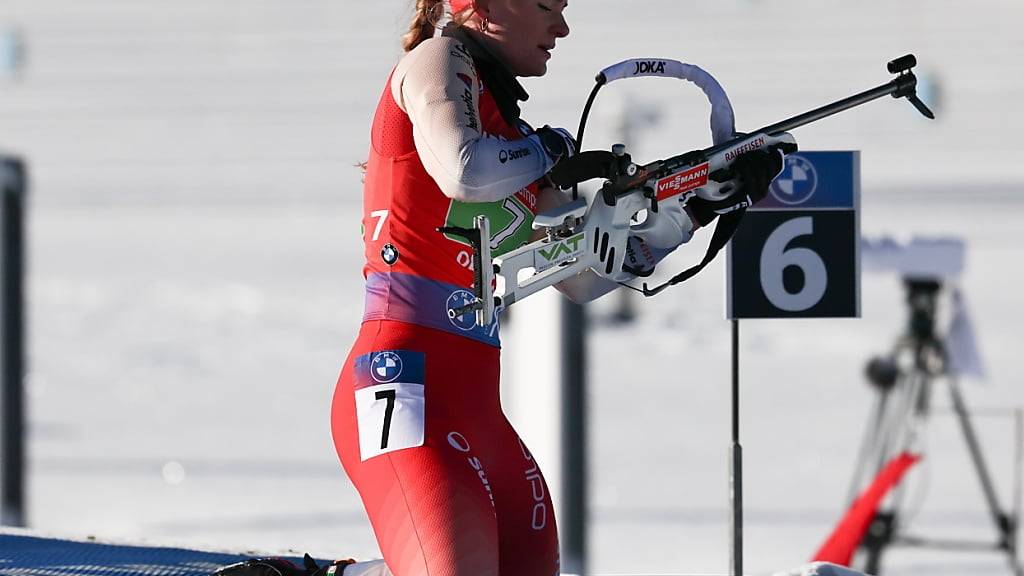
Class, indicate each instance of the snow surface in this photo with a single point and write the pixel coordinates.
(194, 278)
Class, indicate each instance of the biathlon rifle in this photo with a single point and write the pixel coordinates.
(581, 236)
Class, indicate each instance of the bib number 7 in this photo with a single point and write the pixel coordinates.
(390, 403)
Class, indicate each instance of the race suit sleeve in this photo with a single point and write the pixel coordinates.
(437, 86)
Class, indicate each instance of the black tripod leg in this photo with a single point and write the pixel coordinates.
(879, 536)
(1002, 521)
(868, 447)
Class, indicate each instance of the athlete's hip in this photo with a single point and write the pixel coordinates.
(404, 386)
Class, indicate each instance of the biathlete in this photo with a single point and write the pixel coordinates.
(448, 485)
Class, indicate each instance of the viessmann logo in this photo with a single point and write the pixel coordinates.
(683, 182)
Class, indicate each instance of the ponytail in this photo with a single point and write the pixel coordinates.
(423, 24)
(428, 15)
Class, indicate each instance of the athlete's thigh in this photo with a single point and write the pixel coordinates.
(429, 513)
(526, 518)
(424, 488)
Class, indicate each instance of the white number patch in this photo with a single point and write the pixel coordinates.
(389, 417)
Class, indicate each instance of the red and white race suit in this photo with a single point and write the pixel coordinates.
(446, 482)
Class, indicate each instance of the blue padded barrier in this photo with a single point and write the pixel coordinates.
(37, 556)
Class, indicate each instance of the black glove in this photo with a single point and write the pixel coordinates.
(281, 567)
(558, 143)
(753, 173)
(582, 167)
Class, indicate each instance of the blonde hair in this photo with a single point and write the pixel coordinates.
(425, 22)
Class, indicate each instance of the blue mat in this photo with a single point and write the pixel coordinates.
(34, 556)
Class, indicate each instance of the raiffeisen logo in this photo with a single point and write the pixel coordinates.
(752, 145)
(683, 182)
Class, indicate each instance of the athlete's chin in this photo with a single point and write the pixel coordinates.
(538, 68)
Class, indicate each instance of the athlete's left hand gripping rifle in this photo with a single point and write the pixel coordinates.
(581, 236)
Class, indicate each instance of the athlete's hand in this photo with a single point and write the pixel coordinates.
(752, 172)
(558, 143)
(667, 228)
(755, 171)
(640, 257)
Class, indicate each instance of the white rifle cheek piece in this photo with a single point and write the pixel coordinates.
(581, 236)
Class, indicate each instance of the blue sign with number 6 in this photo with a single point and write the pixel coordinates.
(796, 254)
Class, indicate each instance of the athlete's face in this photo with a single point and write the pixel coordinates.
(525, 31)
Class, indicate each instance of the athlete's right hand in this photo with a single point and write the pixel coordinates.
(667, 228)
(558, 143)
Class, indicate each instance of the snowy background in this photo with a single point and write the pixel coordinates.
(194, 268)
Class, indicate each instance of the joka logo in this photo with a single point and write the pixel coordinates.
(506, 155)
(465, 79)
(386, 367)
(797, 182)
(649, 67)
(567, 247)
(460, 298)
(683, 182)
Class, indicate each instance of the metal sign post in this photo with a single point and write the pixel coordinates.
(12, 203)
(574, 438)
(736, 462)
(796, 255)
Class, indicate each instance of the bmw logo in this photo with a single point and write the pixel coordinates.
(389, 254)
(467, 321)
(797, 182)
(386, 367)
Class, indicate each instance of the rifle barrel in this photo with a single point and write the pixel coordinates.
(833, 108)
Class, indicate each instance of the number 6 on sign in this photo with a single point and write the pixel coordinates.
(797, 253)
(775, 258)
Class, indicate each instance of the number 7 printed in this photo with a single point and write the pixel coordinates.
(381, 216)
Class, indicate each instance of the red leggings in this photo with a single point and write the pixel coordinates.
(448, 485)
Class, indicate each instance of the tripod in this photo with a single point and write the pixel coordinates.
(905, 381)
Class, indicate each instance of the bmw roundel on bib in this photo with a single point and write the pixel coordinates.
(386, 367)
